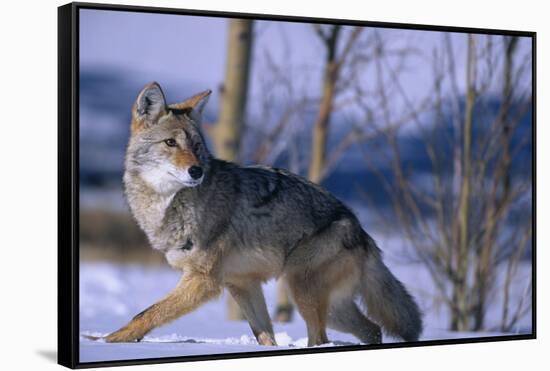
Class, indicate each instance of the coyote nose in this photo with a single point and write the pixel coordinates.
(195, 172)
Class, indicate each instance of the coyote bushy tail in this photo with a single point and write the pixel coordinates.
(386, 299)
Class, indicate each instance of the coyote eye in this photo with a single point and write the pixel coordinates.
(170, 142)
(196, 147)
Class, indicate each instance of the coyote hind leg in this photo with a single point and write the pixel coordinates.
(312, 303)
(345, 316)
(191, 291)
(317, 275)
(251, 301)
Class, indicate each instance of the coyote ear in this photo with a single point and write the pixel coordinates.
(150, 104)
(195, 104)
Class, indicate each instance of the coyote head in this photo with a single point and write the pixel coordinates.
(166, 147)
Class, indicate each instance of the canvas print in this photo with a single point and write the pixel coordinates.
(251, 185)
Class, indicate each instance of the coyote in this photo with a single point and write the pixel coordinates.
(227, 226)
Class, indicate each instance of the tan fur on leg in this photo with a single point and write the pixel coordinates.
(315, 287)
(312, 305)
(192, 290)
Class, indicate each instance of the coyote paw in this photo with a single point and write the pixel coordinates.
(123, 336)
(266, 339)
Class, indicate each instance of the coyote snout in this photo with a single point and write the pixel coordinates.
(189, 177)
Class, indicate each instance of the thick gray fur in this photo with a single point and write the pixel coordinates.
(257, 208)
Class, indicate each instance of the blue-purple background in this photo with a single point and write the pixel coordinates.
(120, 52)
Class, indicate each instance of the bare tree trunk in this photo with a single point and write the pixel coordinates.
(485, 267)
(228, 132)
(283, 312)
(320, 128)
(507, 323)
(285, 308)
(460, 315)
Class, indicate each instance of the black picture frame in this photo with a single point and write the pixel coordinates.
(68, 182)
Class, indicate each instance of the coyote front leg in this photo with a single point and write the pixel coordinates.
(251, 301)
(192, 291)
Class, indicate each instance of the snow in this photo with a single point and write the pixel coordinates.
(110, 295)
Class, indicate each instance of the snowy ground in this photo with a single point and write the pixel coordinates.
(110, 295)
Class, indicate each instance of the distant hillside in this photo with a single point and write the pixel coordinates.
(106, 98)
